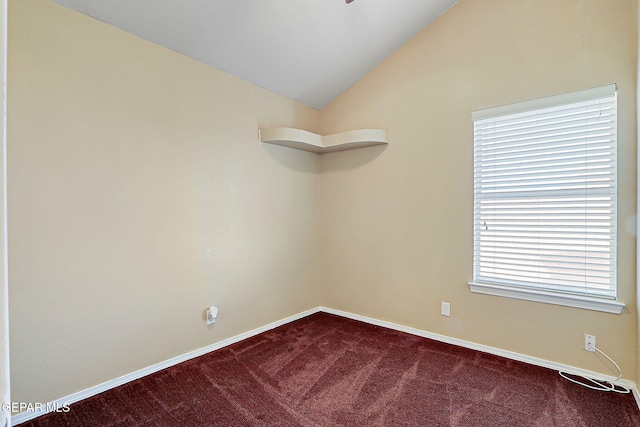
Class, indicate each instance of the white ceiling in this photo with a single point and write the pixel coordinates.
(307, 50)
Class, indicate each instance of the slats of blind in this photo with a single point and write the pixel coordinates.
(545, 196)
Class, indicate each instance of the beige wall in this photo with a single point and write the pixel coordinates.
(397, 222)
(638, 183)
(5, 386)
(139, 195)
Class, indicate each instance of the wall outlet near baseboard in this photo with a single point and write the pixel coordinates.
(212, 315)
(445, 309)
(589, 342)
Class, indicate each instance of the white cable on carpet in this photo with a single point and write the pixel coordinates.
(601, 385)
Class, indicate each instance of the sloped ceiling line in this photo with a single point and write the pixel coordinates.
(309, 51)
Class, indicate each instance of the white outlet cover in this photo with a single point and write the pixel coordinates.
(445, 309)
(212, 314)
(589, 342)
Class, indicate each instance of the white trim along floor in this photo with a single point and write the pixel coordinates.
(91, 391)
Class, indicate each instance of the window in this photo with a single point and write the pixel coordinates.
(545, 200)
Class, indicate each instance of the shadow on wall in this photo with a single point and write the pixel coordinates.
(293, 159)
(343, 161)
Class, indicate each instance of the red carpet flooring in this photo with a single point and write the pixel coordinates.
(325, 370)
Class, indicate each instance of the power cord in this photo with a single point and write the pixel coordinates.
(600, 385)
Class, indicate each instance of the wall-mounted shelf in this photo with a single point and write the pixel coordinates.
(309, 141)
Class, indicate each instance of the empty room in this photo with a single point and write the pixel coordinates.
(320, 213)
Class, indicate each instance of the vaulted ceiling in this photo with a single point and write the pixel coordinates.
(307, 50)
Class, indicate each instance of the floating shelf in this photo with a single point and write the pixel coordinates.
(309, 141)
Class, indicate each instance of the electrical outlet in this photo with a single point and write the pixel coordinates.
(445, 309)
(210, 319)
(589, 342)
(212, 314)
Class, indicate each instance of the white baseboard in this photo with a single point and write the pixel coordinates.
(486, 349)
(92, 391)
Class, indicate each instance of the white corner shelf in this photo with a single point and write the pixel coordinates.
(309, 141)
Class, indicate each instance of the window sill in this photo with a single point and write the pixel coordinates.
(588, 303)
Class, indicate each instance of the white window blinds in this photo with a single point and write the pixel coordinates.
(545, 194)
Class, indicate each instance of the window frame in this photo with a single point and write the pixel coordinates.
(604, 304)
